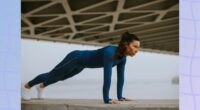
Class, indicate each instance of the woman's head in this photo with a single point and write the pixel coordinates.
(128, 45)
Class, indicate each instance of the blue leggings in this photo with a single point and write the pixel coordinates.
(68, 67)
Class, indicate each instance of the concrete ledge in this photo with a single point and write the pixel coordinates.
(93, 104)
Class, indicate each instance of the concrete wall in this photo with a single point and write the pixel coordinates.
(148, 75)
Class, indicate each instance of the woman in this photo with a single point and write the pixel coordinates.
(106, 57)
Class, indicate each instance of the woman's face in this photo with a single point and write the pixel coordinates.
(132, 48)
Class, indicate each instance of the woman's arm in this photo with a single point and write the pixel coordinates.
(120, 78)
(107, 63)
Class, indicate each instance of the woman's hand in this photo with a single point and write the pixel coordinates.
(125, 99)
(114, 102)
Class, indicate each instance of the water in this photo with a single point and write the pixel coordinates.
(92, 89)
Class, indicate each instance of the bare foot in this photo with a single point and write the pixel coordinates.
(41, 85)
(27, 86)
(25, 92)
(40, 91)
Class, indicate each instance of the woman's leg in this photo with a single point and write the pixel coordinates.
(73, 73)
(53, 74)
(37, 80)
(41, 94)
(66, 59)
(57, 73)
(65, 66)
(26, 88)
(66, 76)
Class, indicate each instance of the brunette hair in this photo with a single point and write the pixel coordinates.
(126, 38)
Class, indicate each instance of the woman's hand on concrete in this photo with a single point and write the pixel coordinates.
(125, 99)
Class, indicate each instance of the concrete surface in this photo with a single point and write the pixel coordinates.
(94, 104)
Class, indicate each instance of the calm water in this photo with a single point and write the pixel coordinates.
(92, 89)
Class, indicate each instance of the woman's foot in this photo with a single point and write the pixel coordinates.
(40, 91)
(25, 92)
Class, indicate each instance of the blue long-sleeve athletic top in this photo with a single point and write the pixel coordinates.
(103, 57)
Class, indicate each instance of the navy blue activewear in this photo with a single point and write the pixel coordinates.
(77, 60)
